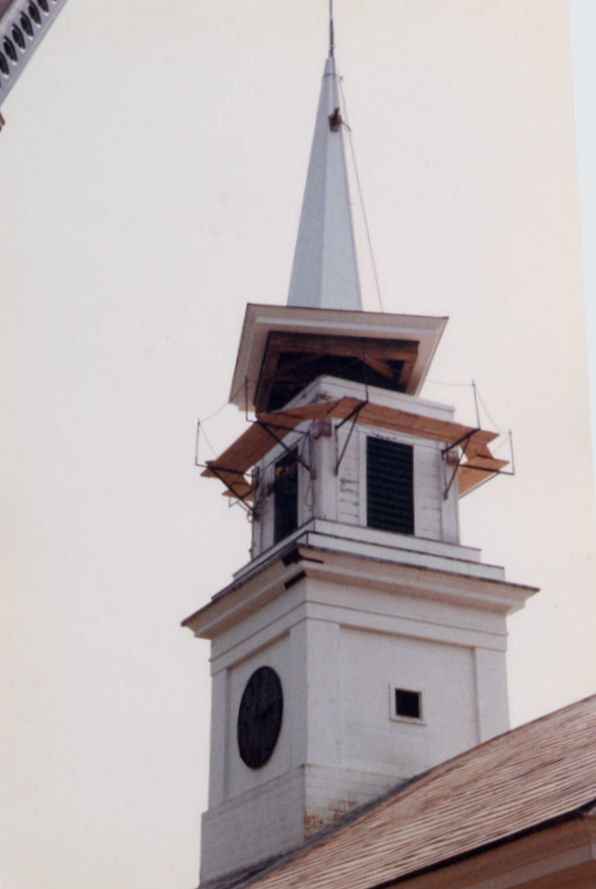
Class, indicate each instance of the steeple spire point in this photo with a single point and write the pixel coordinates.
(325, 269)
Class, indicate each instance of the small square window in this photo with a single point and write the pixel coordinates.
(408, 703)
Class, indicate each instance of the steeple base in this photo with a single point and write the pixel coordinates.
(388, 667)
(282, 814)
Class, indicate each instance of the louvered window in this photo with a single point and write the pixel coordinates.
(389, 485)
(285, 496)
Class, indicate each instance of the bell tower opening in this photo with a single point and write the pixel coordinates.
(285, 496)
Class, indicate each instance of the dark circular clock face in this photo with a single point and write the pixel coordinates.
(259, 717)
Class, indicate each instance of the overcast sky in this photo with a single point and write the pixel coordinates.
(151, 173)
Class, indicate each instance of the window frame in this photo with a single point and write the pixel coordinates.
(394, 716)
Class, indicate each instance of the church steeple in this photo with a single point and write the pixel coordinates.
(362, 643)
(325, 269)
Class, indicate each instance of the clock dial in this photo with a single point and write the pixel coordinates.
(259, 717)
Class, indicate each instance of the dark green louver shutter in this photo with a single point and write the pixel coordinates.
(285, 510)
(389, 480)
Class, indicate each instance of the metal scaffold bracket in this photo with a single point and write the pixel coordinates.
(353, 416)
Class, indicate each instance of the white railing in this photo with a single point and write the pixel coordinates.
(23, 25)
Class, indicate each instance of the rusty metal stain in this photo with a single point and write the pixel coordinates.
(315, 822)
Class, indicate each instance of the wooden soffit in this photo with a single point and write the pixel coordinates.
(292, 361)
(399, 348)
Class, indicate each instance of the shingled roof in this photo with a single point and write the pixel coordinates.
(518, 781)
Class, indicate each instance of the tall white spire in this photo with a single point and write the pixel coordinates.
(325, 269)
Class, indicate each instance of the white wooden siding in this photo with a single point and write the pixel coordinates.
(342, 497)
(348, 477)
(427, 490)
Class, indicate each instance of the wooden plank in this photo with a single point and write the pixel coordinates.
(308, 347)
(443, 431)
(266, 376)
(255, 442)
(476, 471)
(349, 346)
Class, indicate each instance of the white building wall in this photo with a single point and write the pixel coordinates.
(341, 497)
(240, 778)
(491, 692)
(339, 648)
(332, 792)
(218, 740)
(254, 813)
(261, 822)
(349, 479)
(371, 666)
(428, 490)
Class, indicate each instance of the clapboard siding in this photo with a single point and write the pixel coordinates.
(427, 490)
(343, 497)
(349, 478)
(428, 482)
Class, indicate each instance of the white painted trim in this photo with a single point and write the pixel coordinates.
(329, 388)
(387, 542)
(260, 320)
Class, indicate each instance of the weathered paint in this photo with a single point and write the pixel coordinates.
(325, 493)
(339, 642)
